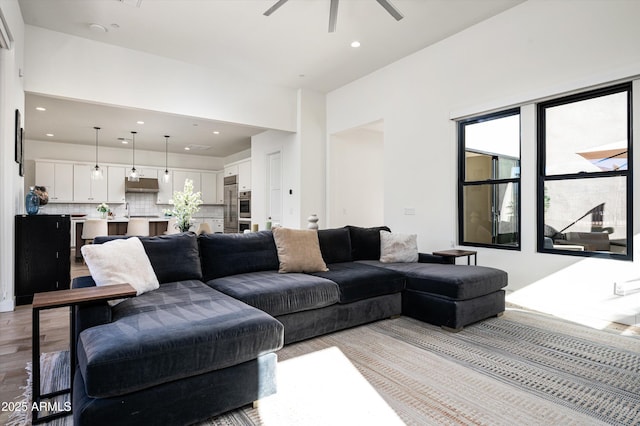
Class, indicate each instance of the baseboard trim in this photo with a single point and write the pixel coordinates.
(7, 305)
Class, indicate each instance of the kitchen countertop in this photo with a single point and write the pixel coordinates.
(124, 219)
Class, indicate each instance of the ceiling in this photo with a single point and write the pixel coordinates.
(290, 48)
(73, 122)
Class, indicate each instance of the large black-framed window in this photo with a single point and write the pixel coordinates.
(584, 191)
(489, 180)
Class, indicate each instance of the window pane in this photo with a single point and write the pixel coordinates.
(490, 214)
(492, 148)
(586, 214)
(587, 136)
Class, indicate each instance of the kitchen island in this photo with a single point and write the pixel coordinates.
(118, 226)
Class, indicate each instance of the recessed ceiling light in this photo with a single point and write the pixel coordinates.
(355, 43)
(215, 132)
(123, 140)
(50, 135)
(41, 109)
(140, 122)
(97, 27)
(115, 26)
(186, 148)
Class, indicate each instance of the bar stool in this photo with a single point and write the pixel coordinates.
(92, 228)
(172, 226)
(204, 228)
(138, 227)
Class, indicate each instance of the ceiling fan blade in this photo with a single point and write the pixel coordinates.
(391, 9)
(333, 16)
(275, 7)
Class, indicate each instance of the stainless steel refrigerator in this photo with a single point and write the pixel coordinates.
(230, 205)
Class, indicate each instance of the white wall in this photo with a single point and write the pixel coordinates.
(312, 141)
(62, 65)
(534, 50)
(356, 178)
(11, 196)
(262, 145)
(303, 165)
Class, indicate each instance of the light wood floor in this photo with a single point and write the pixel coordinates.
(15, 342)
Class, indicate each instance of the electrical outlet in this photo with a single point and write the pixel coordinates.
(409, 211)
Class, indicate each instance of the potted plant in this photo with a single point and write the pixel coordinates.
(104, 210)
(185, 204)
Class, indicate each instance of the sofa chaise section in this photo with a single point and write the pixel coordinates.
(451, 296)
(175, 355)
(180, 402)
(153, 339)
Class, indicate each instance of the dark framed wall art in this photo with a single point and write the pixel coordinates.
(19, 143)
(21, 170)
(18, 137)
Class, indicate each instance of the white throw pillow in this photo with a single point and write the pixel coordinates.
(121, 261)
(398, 247)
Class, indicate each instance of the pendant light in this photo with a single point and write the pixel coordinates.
(167, 177)
(133, 174)
(96, 173)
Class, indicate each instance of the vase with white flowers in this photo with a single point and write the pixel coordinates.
(104, 210)
(185, 204)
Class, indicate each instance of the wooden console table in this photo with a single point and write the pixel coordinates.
(57, 299)
(454, 253)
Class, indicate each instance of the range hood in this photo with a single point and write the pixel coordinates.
(143, 185)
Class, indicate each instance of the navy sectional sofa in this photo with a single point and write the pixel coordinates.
(205, 342)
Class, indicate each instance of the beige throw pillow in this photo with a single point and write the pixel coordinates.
(398, 247)
(298, 250)
(121, 261)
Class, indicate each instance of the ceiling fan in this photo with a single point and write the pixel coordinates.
(333, 11)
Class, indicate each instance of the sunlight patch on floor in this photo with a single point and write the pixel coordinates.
(584, 293)
(324, 388)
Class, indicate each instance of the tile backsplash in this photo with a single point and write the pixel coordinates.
(143, 204)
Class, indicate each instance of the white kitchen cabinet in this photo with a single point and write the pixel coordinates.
(180, 176)
(195, 223)
(147, 172)
(115, 184)
(217, 225)
(57, 178)
(85, 189)
(220, 188)
(209, 187)
(165, 189)
(231, 170)
(244, 176)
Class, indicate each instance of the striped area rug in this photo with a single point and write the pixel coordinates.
(522, 368)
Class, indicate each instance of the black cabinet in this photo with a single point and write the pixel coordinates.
(42, 255)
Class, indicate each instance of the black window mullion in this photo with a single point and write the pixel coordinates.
(543, 178)
(494, 184)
